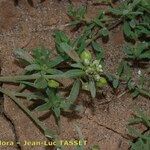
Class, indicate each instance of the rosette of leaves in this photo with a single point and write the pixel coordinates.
(134, 15)
(97, 26)
(139, 51)
(37, 64)
(78, 17)
(45, 79)
(39, 73)
(93, 29)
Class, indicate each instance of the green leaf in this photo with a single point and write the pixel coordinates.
(131, 85)
(134, 132)
(97, 47)
(134, 3)
(56, 111)
(74, 23)
(127, 29)
(132, 23)
(74, 91)
(98, 22)
(76, 13)
(120, 68)
(33, 67)
(60, 37)
(53, 71)
(99, 50)
(92, 88)
(40, 83)
(135, 93)
(115, 83)
(140, 48)
(59, 59)
(144, 117)
(80, 44)
(42, 56)
(115, 11)
(70, 52)
(145, 4)
(124, 70)
(65, 105)
(23, 55)
(128, 49)
(27, 83)
(77, 65)
(104, 32)
(145, 55)
(35, 96)
(134, 121)
(127, 71)
(74, 73)
(44, 107)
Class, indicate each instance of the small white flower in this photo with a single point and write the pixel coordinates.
(96, 62)
(86, 71)
(139, 72)
(89, 70)
(99, 68)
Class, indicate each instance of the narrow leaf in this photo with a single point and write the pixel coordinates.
(92, 88)
(40, 83)
(74, 73)
(115, 83)
(70, 52)
(22, 54)
(44, 107)
(74, 91)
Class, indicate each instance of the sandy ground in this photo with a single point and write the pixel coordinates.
(25, 26)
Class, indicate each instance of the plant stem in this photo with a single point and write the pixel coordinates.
(18, 94)
(27, 111)
(25, 77)
(58, 77)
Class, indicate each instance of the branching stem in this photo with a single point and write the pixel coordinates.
(27, 111)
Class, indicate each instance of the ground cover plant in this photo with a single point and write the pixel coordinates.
(44, 79)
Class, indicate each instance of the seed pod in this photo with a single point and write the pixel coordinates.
(86, 56)
(53, 84)
(101, 82)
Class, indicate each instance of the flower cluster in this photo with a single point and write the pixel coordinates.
(94, 69)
